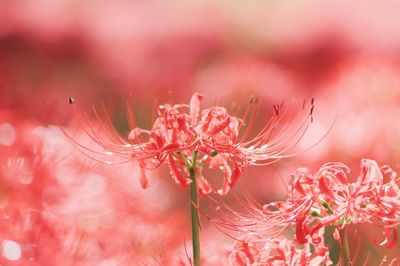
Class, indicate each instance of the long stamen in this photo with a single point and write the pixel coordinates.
(253, 106)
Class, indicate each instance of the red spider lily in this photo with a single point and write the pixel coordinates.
(326, 198)
(279, 251)
(335, 201)
(182, 129)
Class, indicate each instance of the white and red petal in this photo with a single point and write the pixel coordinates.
(177, 173)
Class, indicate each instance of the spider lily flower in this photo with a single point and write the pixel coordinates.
(325, 198)
(335, 201)
(181, 130)
(279, 251)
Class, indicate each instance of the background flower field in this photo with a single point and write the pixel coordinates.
(59, 207)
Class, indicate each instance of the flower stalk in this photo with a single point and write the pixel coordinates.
(194, 212)
(345, 247)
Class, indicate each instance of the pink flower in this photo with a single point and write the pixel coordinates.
(325, 198)
(278, 251)
(180, 130)
(335, 201)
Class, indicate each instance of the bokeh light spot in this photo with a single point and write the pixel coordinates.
(7, 134)
(11, 250)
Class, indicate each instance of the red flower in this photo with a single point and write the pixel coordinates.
(279, 251)
(323, 199)
(181, 129)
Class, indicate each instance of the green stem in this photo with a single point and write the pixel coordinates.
(194, 212)
(345, 247)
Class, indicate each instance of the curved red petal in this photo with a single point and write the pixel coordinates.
(177, 174)
(203, 186)
(237, 171)
(300, 231)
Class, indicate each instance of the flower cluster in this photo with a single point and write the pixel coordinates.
(183, 133)
(279, 251)
(326, 198)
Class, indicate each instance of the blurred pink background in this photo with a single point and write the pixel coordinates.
(55, 201)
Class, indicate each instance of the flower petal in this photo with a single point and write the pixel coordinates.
(177, 174)
(300, 231)
(203, 186)
(235, 175)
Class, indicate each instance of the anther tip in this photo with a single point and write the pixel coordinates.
(276, 109)
(252, 98)
(312, 109)
(71, 100)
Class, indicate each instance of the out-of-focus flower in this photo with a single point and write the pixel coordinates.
(57, 207)
(182, 130)
(279, 251)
